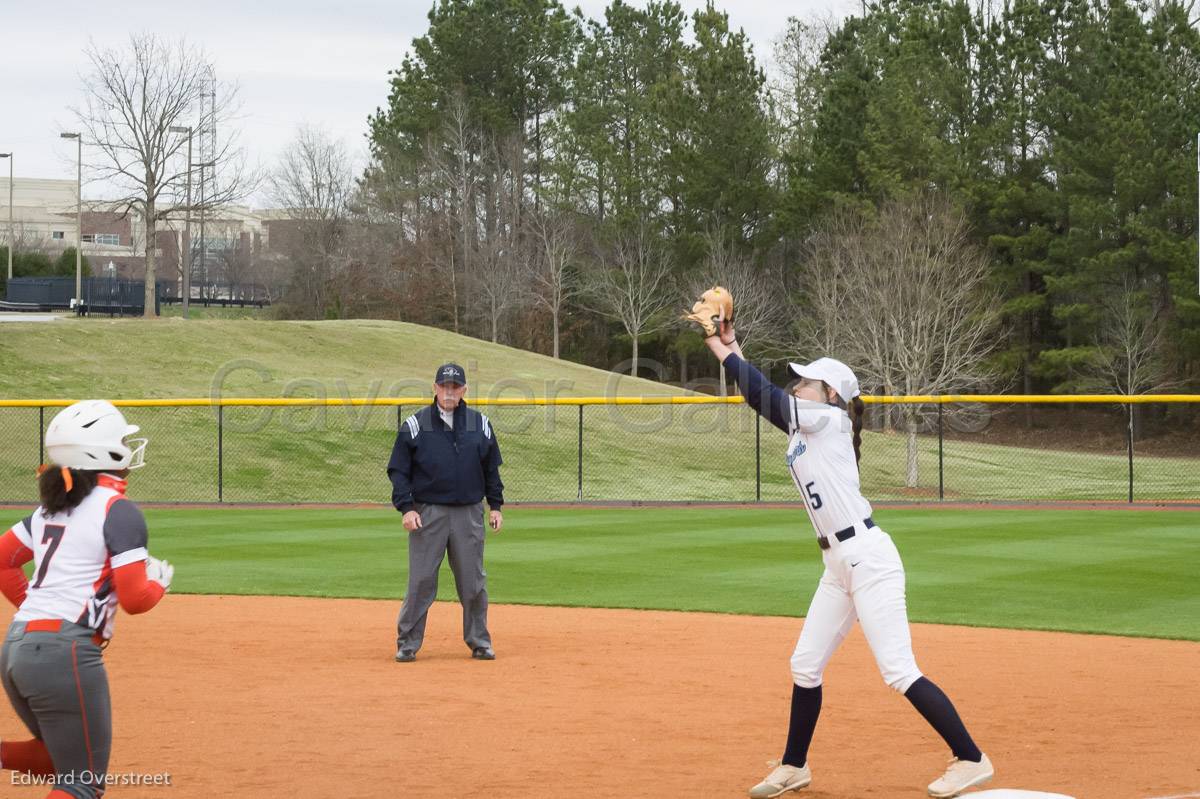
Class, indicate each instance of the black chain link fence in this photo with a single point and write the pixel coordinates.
(1018, 452)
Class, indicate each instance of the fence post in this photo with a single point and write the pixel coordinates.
(220, 453)
(757, 458)
(1129, 448)
(580, 494)
(41, 435)
(941, 458)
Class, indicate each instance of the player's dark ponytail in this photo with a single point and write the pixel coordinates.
(53, 489)
(856, 411)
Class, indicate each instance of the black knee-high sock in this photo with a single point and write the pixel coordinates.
(932, 703)
(806, 707)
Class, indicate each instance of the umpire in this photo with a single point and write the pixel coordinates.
(445, 461)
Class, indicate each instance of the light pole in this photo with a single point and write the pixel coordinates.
(187, 223)
(9, 156)
(78, 219)
(203, 243)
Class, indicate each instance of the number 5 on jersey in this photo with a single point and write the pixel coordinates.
(814, 499)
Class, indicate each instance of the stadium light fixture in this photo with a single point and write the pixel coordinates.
(78, 217)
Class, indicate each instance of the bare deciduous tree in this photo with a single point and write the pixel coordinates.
(234, 258)
(632, 284)
(555, 243)
(1129, 353)
(794, 85)
(381, 273)
(821, 307)
(1127, 357)
(132, 99)
(908, 301)
(28, 239)
(498, 279)
(453, 160)
(314, 183)
(758, 293)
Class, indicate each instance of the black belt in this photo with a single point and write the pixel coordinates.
(844, 535)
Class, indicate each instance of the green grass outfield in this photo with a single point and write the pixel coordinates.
(1118, 572)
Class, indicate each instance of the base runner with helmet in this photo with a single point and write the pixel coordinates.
(863, 579)
(88, 544)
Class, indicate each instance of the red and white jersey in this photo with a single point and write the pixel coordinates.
(75, 553)
(820, 458)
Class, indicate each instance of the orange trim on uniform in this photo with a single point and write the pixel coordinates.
(54, 626)
(115, 483)
(44, 626)
(87, 739)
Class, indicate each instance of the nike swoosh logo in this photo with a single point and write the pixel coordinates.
(852, 565)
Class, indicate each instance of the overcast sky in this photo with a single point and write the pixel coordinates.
(295, 61)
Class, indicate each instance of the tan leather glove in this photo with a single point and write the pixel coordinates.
(714, 307)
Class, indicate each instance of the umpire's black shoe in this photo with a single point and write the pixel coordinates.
(483, 653)
(405, 656)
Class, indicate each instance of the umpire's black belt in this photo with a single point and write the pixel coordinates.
(844, 535)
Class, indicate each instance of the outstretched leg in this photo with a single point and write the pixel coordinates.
(879, 598)
(830, 618)
(933, 704)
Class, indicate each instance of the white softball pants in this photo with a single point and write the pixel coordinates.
(863, 580)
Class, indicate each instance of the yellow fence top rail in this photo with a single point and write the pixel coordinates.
(268, 402)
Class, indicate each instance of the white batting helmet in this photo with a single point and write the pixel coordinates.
(91, 435)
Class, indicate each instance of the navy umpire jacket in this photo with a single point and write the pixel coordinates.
(437, 466)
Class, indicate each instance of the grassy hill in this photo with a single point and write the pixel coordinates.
(172, 357)
(338, 454)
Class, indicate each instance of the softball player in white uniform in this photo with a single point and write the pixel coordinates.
(863, 578)
(88, 546)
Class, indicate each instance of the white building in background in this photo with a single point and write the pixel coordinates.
(224, 248)
(43, 212)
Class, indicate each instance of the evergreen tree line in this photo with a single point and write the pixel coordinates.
(563, 184)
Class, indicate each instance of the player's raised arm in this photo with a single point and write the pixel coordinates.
(713, 312)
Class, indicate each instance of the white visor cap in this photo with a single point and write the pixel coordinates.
(833, 372)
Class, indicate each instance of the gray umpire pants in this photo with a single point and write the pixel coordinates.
(57, 684)
(457, 530)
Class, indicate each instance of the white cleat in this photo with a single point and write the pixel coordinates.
(781, 780)
(961, 775)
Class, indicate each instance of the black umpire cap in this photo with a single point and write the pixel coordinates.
(450, 373)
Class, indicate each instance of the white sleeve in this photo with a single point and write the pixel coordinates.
(128, 556)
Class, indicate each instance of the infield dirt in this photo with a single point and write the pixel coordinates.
(269, 696)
